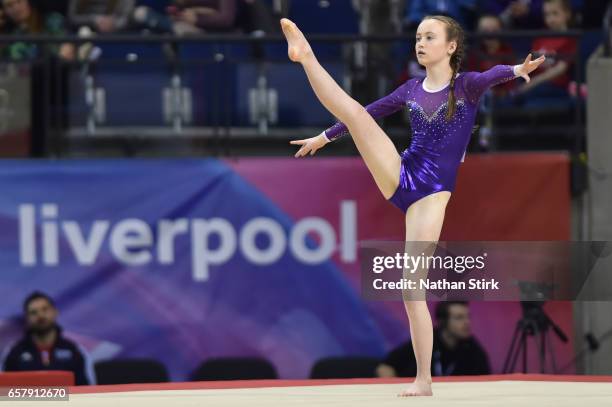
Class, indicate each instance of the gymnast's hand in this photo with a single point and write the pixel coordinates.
(529, 66)
(309, 145)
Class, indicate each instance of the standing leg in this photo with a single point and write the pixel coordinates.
(375, 147)
(423, 224)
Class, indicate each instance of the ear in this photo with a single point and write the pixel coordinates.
(452, 47)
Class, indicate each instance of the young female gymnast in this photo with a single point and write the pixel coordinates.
(419, 181)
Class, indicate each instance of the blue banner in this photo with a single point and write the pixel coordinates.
(177, 260)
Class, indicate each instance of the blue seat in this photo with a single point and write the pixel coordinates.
(325, 17)
(211, 86)
(133, 94)
(298, 105)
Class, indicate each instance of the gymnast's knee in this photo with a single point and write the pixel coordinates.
(355, 111)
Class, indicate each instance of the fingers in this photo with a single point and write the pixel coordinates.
(308, 146)
(305, 150)
(533, 65)
(300, 153)
(539, 61)
(530, 66)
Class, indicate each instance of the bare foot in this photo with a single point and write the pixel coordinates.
(417, 388)
(299, 48)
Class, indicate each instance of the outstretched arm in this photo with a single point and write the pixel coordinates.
(476, 83)
(381, 108)
(557, 70)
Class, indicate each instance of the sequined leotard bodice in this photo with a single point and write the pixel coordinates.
(431, 161)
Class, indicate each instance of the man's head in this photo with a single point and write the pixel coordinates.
(40, 313)
(454, 318)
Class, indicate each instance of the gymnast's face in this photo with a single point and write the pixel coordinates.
(432, 46)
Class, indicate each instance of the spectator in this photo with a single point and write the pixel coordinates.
(553, 78)
(491, 51)
(43, 347)
(100, 15)
(189, 17)
(455, 351)
(524, 14)
(461, 10)
(26, 19)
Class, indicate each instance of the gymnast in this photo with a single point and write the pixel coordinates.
(420, 180)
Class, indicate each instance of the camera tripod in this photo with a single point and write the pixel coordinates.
(534, 323)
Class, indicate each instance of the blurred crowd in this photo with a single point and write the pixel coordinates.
(555, 80)
(182, 17)
(555, 83)
(104, 17)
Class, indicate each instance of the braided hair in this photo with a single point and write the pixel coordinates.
(454, 32)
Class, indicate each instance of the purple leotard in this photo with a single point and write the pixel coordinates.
(430, 162)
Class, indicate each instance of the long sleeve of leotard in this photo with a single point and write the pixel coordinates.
(380, 108)
(476, 83)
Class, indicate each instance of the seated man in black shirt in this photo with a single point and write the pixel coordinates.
(43, 347)
(455, 351)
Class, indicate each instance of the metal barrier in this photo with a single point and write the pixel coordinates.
(224, 93)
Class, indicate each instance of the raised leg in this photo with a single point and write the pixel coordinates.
(374, 146)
